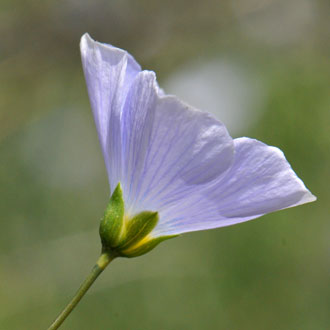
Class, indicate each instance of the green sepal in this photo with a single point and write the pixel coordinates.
(124, 236)
(112, 221)
(144, 246)
(138, 228)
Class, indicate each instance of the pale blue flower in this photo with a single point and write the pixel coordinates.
(176, 160)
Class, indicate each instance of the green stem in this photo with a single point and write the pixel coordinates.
(101, 264)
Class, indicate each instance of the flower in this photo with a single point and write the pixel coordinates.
(176, 162)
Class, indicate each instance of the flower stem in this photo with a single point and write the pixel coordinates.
(101, 264)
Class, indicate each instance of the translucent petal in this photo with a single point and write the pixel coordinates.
(169, 149)
(109, 72)
(260, 181)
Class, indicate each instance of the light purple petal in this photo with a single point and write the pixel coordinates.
(260, 181)
(109, 72)
(169, 149)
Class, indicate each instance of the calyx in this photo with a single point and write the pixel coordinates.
(127, 236)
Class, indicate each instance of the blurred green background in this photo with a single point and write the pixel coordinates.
(262, 66)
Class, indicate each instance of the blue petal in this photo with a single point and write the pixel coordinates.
(170, 150)
(109, 73)
(260, 181)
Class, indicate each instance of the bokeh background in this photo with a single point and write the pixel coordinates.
(261, 66)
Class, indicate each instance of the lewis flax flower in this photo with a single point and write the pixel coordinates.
(176, 162)
(172, 169)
